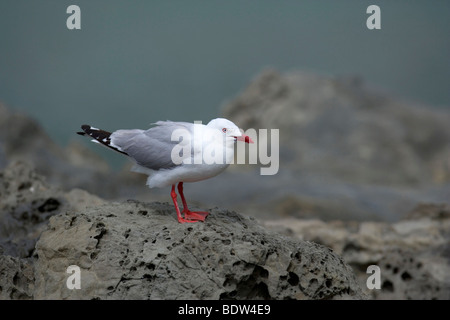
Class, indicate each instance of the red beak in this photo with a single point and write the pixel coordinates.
(244, 138)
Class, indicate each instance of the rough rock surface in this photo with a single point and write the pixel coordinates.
(26, 203)
(136, 250)
(16, 278)
(413, 254)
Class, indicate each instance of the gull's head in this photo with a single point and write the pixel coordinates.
(229, 129)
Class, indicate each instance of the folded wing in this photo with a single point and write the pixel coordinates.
(150, 148)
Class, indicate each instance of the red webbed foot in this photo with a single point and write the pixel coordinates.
(183, 220)
(195, 215)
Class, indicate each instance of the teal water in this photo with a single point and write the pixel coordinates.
(135, 62)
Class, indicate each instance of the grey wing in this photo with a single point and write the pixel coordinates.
(150, 148)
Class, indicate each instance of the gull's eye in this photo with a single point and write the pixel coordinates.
(224, 130)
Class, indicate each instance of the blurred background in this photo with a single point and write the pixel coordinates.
(136, 62)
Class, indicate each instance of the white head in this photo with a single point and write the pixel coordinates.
(229, 129)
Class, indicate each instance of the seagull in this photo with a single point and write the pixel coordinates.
(172, 153)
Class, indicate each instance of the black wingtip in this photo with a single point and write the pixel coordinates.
(100, 136)
(84, 127)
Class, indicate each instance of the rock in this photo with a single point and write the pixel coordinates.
(435, 212)
(413, 254)
(16, 278)
(26, 204)
(135, 250)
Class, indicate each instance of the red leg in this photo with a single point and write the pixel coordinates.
(175, 203)
(180, 191)
(194, 215)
